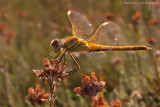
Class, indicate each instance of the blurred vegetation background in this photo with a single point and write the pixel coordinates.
(28, 26)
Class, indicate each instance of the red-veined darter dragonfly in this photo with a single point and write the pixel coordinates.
(80, 41)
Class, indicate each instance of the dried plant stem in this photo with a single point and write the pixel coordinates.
(139, 67)
(52, 87)
(138, 54)
(155, 68)
(138, 37)
(7, 84)
(35, 105)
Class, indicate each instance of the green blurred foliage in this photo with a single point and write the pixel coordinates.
(28, 26)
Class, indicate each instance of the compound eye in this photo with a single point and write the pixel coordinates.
(56, 45)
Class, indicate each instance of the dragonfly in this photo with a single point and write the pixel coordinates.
(81, 41)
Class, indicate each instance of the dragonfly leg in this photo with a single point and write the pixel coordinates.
(56, 57)
(63, 55)
(78, 67)
(64, 58)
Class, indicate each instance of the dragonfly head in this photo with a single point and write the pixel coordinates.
(56, 45)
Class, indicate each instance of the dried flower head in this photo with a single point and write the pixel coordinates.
(10, 35)
(51, 69)
(137, 95)
(136, 17)
(21, 14)
(157, 4)
(37, 96)
(157, 53)
(158, 20)
(3, 26)
(90, 86)
(109, 15)
(152, 22)
(115, 103)
(158, 59)
(99, 102)
(151, 40)
(117, 61)
(119, 19)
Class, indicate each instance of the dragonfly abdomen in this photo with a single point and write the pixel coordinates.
(96, 47)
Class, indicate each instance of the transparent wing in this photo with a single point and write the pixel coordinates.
(96, 55)
(81, 27)
(106, 34)
(91, 55)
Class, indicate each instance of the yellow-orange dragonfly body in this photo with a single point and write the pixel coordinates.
(80, 41)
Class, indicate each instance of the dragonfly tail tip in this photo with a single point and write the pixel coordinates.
(148, 48)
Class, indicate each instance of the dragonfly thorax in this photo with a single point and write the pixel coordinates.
(75, 44)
